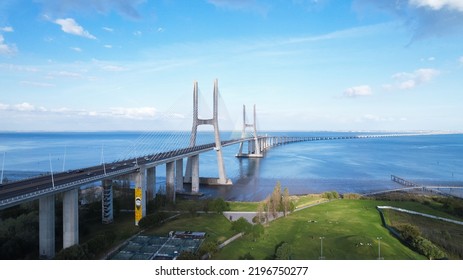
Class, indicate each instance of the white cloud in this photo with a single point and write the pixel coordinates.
(7, 29)
(67, 74)
(108, 29)
(363, 90)
(113, 68)
(242, 5)
(22, 107)
(431, 58)
(376, 118)
(439, 4)
(6, 49)
(128, 8)
(19, 68)
(137, 113)
(37, 84)
(134, 113)
(69, 25)
(461, 60)
(108, 46)
(424, 18)
(405, 80)
(76, 49)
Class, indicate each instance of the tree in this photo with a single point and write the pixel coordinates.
(267, 208)
(19, 237)
(208, 247)
(260, 217)
(241, 225)
(219, 205)
(286, 201)
(257, 231)
(275, 200)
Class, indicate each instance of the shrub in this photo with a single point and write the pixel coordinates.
(152, 220)
(75, 252)
(330, 195)
(427, 248)
(283, 251)
(352, 196)
(187, 255)
(247, 256)
(408, 232)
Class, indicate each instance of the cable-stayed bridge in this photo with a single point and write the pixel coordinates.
(142, 170)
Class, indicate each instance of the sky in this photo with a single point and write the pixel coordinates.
(310, 65)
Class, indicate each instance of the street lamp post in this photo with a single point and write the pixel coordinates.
(321, 248)
(379, 247)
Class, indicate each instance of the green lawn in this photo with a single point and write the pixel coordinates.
(243, 206)
(215, 225)
(299, 201)
(345, 225)
(305, 200)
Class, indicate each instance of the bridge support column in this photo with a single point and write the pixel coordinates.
(47, 227)
(179, 174)
(170, 181)
(254, 146)
(194, 173)
(140, 195)
(151, 182)
(71, 218)
(107, 211)
(214, 121)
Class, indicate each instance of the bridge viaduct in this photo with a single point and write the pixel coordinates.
(142, 170)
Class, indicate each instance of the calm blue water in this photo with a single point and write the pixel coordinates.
(356, 165)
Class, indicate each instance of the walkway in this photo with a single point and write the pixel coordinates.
(233, 216)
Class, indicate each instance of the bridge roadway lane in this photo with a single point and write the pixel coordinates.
(20, 191)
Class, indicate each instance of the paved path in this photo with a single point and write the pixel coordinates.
(233, 215)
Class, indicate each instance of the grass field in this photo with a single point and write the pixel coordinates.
(349, 228)
(299, 201)
(243, 206)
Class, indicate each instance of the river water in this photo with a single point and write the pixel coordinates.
(350, 165)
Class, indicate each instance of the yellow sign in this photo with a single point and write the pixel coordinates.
(138, 205)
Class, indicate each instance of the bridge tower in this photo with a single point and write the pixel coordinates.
(254, 149)
(192, 169)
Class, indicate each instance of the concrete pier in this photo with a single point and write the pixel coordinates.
(194, 173)
(47, 227)
(170, 181)
(255, 147)
(71, 218)
(179, 175)
(107, 211)
(151, 182)
(214, 121)
(140, 195)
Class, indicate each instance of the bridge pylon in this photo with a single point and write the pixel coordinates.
(254, 148)
(192, 168)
